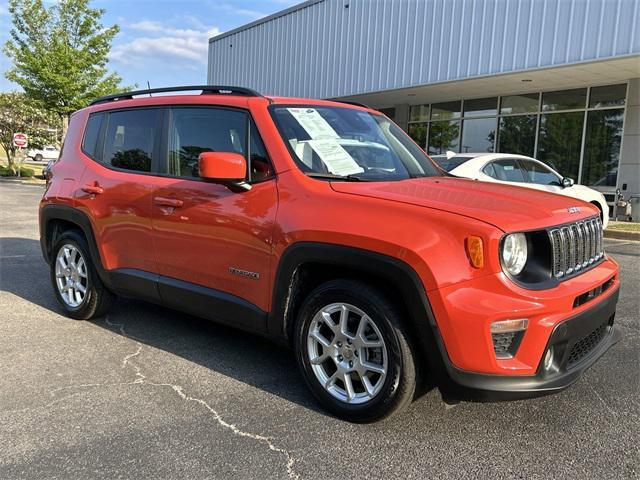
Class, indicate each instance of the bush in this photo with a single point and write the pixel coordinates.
(27, 172)
(24, 172)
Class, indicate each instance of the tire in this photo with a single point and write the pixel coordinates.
(597, 205)
(96, 299)
(386, 394)
(38, 158)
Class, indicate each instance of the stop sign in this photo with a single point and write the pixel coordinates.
(19, 140)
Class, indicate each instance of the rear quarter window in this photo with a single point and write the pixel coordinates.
(91, 135)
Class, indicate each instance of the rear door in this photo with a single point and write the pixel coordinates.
(211, 240)
(116, 187)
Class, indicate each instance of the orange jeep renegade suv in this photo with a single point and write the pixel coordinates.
(322, 225)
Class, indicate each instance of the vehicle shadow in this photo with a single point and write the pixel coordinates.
(246, 357)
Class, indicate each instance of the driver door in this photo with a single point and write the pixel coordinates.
(213, 244)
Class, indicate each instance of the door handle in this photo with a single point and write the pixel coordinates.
(93, 189)
(167, 202)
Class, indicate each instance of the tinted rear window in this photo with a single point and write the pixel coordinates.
(129, 139)
(91, 134)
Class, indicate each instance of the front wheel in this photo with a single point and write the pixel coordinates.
(354, 351)
(38, 158)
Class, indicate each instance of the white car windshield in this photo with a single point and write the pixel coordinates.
(345, 143)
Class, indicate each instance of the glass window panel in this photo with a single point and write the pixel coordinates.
(478, 107)
(489, 170)
(564, 99)
(196, 130)
(450, 163)
(602, 148)
(538, 173)
(517, 134)
(446, 110)
(91, 133)
(418, 113)
(478, 135)
(444, 136)
(519, 103)
(389, 112)
(129, 139)
(507, 170)
(418, 132)
(608, 96)
(560, 141)
(259, 165)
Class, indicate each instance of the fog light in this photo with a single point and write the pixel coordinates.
(507, 335)
(548, 359)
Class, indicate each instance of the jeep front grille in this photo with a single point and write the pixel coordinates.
(576, 246)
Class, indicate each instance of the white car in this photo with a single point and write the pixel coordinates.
(521, 171)
(47, 153)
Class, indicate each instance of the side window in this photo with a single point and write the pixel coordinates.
(259, 165)
(129, 139)
(538, 173)
(196, 130)
(507, 170)
(488, 170)
(91, 134)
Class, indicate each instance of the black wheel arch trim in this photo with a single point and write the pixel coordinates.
(50, 213)
(404, 278)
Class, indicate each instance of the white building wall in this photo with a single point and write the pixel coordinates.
(335, 48)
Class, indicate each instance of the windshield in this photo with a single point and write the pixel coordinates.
(350, 144)
(450, 163)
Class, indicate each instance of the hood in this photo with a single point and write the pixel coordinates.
(504, 206)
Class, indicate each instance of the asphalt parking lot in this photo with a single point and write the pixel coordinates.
(150, 393)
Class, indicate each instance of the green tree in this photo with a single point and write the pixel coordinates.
(443, 136)
(21, 114)
(60, 54)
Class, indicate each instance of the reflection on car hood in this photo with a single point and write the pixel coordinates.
(504, 206)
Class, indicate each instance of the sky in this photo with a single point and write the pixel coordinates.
(162, 41)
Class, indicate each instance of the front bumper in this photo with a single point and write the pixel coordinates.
(577, 343)
(461, 315)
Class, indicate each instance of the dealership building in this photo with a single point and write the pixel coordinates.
(558, 80)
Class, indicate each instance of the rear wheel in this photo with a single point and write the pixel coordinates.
(38, 158)
(75, 280)
(354, 351)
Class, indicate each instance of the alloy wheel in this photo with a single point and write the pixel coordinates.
(71, 275)
(347, 353)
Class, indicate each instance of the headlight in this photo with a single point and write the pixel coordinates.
(514, 253)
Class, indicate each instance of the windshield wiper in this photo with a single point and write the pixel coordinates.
(332, 176)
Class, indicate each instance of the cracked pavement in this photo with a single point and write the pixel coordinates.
(148, 392)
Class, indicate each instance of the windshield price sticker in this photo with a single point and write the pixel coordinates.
(336, 158)
(313, 123)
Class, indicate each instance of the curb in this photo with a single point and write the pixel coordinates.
(622, 235)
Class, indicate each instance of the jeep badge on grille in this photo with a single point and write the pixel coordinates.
(573, 209)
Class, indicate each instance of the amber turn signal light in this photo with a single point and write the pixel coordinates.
(475, 251)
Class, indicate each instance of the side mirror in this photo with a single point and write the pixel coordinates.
(226, 168)
(567, 182)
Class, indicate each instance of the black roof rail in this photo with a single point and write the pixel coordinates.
(205, 89)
